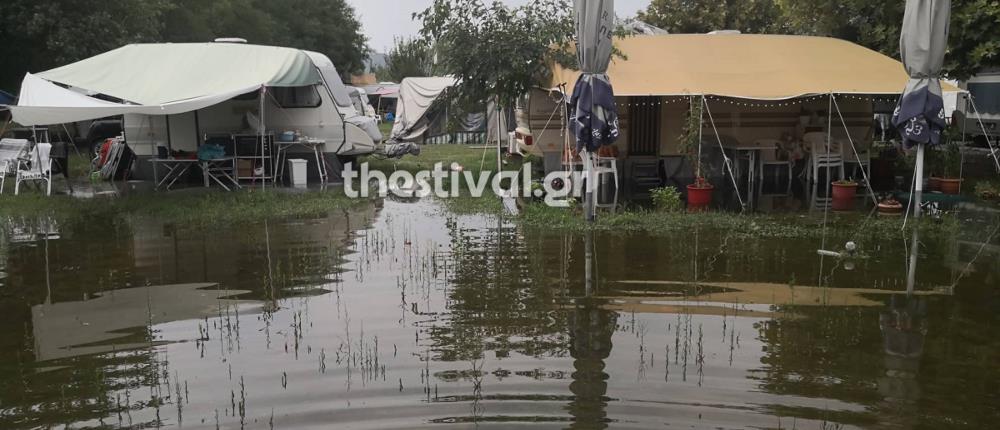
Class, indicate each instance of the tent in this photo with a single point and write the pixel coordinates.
(161, 88)
(420, 115)
(748, 66)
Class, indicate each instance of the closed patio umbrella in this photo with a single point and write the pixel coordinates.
(594, 118)
(920, 116)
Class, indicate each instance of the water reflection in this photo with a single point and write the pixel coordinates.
(407, 315)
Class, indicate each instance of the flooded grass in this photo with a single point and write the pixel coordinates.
(196, 209)
(745, 225)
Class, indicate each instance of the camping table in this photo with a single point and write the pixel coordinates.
(176, 167)
(282, 156)
(219, 169)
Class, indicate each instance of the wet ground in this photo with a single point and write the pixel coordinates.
(402, 315)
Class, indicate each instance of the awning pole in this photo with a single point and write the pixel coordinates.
(701, 123)
(725, 158)
(855, 150)
(918, 181)
(261, 131)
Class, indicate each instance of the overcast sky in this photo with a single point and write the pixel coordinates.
(385, 19)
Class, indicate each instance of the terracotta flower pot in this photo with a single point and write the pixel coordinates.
(890, 207)
(933, 183)
(700, 195)
(950, 186)
(843, 196)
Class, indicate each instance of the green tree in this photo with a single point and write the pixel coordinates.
(327, 26)
(38, 35)
(973, 42)
(496, 51)
(702, 16)
(875, 25)
(408, 57)
(41, 34)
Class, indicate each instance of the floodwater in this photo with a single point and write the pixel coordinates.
(402, 315)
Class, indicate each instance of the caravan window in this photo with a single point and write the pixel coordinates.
(297, 97)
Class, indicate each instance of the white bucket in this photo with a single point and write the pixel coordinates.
(297, 171)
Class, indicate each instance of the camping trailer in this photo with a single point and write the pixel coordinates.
(174, 96)
(984, 89)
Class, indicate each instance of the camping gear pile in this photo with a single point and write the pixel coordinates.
(114, 160)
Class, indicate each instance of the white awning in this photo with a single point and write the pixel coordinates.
(159, 79)
(42, 103)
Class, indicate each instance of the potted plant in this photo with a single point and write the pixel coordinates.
(844, 192)
(951, 161)
(699, 192)
(890, 206)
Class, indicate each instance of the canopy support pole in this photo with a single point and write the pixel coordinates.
(701, 122)
(868, 184)
(262, 132)
(918, 180)
(725, 158)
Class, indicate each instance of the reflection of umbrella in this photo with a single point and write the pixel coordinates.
(920, 116)
(593, 118)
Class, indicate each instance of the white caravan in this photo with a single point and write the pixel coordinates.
(172, 96)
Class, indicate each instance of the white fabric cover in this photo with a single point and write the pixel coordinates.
(42, 103)
(416, 95)
(159, 79)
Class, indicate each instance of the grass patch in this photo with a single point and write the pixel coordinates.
(386, 128)
(468, 156)
(784, 226)
(194, 210)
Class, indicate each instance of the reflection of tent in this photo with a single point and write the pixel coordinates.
(420, 114)
(70, 329)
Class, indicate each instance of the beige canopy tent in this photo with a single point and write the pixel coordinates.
(749, 66)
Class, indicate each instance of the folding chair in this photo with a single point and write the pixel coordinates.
(10, 151)
(39, 168)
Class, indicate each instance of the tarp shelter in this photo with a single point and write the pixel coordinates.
(749, 66)
(419, 112)
(158, 79)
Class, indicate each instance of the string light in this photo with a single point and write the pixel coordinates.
(662, 101)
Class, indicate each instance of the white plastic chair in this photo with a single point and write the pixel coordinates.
(607, 165)
(10, 151)
(822, 155)
(772, 160)
(863, 160)
(39, 168)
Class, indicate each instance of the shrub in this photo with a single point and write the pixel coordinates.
(667, 199)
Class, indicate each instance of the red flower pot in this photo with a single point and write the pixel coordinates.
(843, 196)
(700, 195)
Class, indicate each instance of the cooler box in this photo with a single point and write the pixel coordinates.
(297, 169)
